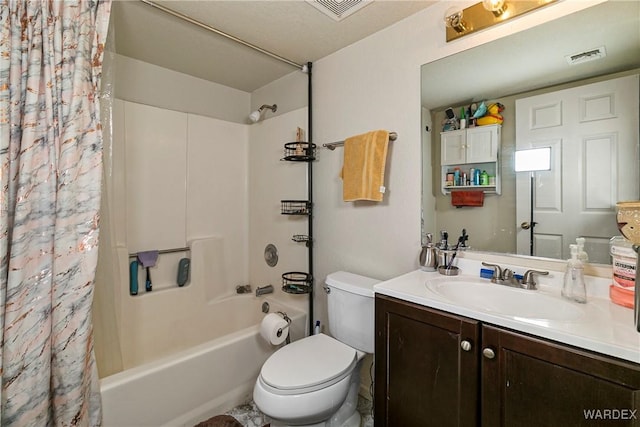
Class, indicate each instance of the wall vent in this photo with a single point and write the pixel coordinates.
(588, 55)
(339, 9)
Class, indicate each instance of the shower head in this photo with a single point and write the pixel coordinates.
(257, 114)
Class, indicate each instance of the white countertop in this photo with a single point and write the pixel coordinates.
(606, 328)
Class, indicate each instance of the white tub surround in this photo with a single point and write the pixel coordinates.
(205, 380)
(603, 326)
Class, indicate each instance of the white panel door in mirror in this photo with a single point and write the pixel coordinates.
(599, 141)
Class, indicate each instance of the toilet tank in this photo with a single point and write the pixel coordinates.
(350, 305)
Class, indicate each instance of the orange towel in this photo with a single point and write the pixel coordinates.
(467, 198)
(365, 158)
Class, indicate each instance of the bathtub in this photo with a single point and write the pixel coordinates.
(205, 380)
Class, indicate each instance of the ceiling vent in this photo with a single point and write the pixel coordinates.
(339, 9)
(586, 56)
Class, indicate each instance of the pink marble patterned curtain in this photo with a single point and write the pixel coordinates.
(50, 170)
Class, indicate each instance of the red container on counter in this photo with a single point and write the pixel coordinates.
(622, 291)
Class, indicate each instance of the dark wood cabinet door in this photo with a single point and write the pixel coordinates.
(537, 383)
(423, 377)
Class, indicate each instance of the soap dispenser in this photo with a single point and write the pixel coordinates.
(582, 255)
(574, 287)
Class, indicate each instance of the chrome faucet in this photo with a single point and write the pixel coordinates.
(509, 278)
(268, 289)
(497, 272)
(528, 280)
(506, 276)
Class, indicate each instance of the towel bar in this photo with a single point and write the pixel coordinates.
(165, 251)
(332, 145)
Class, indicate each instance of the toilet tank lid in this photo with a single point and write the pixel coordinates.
(353, 283)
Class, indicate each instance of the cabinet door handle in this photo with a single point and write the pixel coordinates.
(466, 345)
(488, 353)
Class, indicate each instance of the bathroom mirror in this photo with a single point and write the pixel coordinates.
(528, 63)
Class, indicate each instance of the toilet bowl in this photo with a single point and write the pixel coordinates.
(315, 381)
(307, 381)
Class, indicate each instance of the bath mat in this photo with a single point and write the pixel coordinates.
(222, 421)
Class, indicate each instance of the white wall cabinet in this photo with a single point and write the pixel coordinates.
(453, 145)
(472, 148)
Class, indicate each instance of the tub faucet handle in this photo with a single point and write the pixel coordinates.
(243, 289)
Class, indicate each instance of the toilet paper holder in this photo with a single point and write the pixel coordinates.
(280, 331)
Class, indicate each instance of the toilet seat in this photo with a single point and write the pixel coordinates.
(306, 365)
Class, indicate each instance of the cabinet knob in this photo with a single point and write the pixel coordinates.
(465, 345)
(525, 225)
(488, 353)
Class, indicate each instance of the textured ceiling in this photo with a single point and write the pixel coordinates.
(292, 29)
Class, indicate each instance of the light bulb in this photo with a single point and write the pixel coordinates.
(453, 19)
(497, 7)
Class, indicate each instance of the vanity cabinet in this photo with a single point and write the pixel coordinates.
(478, 148)
(422, 377)
(434, 368)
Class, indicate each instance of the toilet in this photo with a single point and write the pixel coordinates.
(315, 381)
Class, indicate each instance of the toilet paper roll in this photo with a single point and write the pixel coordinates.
(274, 329)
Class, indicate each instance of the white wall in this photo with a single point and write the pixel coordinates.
(373, 84)
(270, 181)
(174, 176)
(185, 184)
(148, 84)
(289, 93)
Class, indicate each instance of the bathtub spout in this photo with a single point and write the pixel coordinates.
(264, 290)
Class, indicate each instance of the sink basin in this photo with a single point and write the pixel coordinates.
(492, 298)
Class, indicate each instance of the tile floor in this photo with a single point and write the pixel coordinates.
(250, 416)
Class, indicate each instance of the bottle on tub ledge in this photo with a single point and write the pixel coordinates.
(574, 287)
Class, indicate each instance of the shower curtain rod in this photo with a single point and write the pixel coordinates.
(222, 33)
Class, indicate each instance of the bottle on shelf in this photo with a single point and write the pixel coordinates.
(484, 178)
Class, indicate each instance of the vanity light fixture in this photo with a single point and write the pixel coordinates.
(497, 7)
(486, 14)
(453, 19)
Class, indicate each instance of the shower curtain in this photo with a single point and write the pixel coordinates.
(50, 170)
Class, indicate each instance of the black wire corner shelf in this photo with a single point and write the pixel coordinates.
(301, 238)
(295, 207)
(299, 152)
(296, 282)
